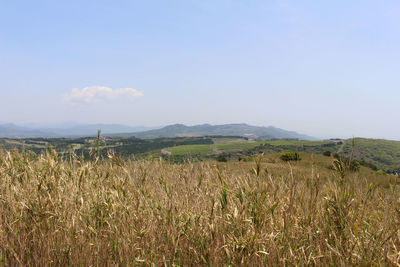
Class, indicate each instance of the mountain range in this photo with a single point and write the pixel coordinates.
(242, 129)
(177, 130)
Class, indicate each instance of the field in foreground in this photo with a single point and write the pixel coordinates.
(112, 211)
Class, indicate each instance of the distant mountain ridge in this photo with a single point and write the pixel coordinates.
(10, 130)
(242, 129)
(91, 129)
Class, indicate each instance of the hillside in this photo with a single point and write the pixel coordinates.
(179, 130)
(385, 154)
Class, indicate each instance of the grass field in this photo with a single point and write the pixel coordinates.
(149, 212)
(230, 147)
(190, 149)
(226, 145)
(229, 140)
(297, 143)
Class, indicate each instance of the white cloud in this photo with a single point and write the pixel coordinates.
(99, 93)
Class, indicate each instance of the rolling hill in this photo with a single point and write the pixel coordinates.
(385, 154)
(245, 130)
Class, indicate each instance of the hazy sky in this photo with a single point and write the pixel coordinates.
(323, 68)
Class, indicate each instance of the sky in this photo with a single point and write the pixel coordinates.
(322, 68)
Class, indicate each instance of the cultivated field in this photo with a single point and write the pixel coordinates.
(265, 212)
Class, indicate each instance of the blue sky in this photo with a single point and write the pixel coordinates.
(324, 68)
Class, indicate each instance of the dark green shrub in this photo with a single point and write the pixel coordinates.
(290, 156)
(327, 153)
(222, 159)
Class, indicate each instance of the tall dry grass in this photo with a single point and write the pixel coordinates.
(116, 212)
